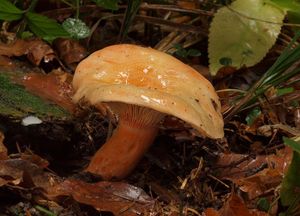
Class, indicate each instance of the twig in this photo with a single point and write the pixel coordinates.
(176, 9)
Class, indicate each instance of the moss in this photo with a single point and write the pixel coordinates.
(16, 102)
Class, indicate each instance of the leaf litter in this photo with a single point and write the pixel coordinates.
(189, 175)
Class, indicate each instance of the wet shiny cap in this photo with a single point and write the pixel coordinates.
(147, 77)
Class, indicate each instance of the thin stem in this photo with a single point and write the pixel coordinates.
(131, 10)
(77, 9)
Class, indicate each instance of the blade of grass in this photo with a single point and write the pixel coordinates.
(285, 67)
(131, 10)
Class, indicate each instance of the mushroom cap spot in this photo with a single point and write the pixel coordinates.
(147, 77)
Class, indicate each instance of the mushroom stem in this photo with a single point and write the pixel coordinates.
(131, 139)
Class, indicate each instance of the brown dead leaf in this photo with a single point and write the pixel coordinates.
(36, 50)
(5, 61)
(35, 159)
(116, 197)
(260, 183)
(236, 166)
(70, 51)
(25, 174)
(281, 160)
(234, 206)
(255, 176)
(55, 86)
(210, 212)
(187, 4)
(3, 182)
(3, 149)
(163, 193)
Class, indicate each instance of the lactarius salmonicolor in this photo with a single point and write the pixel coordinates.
(141, 86)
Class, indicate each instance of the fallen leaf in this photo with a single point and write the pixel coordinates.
(3, 182)
(17, 171)
(3, 149)
(34, 159)
(70, 51)
(281, 160)
(210, 212)
(186, 4)
(55, 87)
(36, 50)
(165, 195)
(255, 176)
(5, 61)
(236, 166)
(260, 183)
(116, 197)
(234, 206)
(18, 103)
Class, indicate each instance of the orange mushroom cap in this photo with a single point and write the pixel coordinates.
(150, 78)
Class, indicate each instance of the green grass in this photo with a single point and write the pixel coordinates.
(286, 66)
(16, 102)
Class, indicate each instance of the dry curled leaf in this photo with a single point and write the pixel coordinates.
(17, 171)
(260, 183)
(255, 176)
(210, 212)
(235, 206)
(55, 87)
(3, 149)
(5, 61)
(36, 50)
(237, 166)
(116, 197)
(34, 159)
(70, 51)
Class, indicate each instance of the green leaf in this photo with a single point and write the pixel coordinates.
(46, 28)
(16, 102)
(9, 12)
(184, 53)
(194, 52)
(280, 72)
(26, 34)
(293, 144)
(263, 204)
(290, 186)
(225, 61)
(243, 32)
(289, 5)
(107, 4)
(252, 115)
(76, 28)
(294, 18)
(283, 91)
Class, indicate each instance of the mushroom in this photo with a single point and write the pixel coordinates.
(141, 86)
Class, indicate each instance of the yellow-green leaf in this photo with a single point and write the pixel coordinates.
(243, 32)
